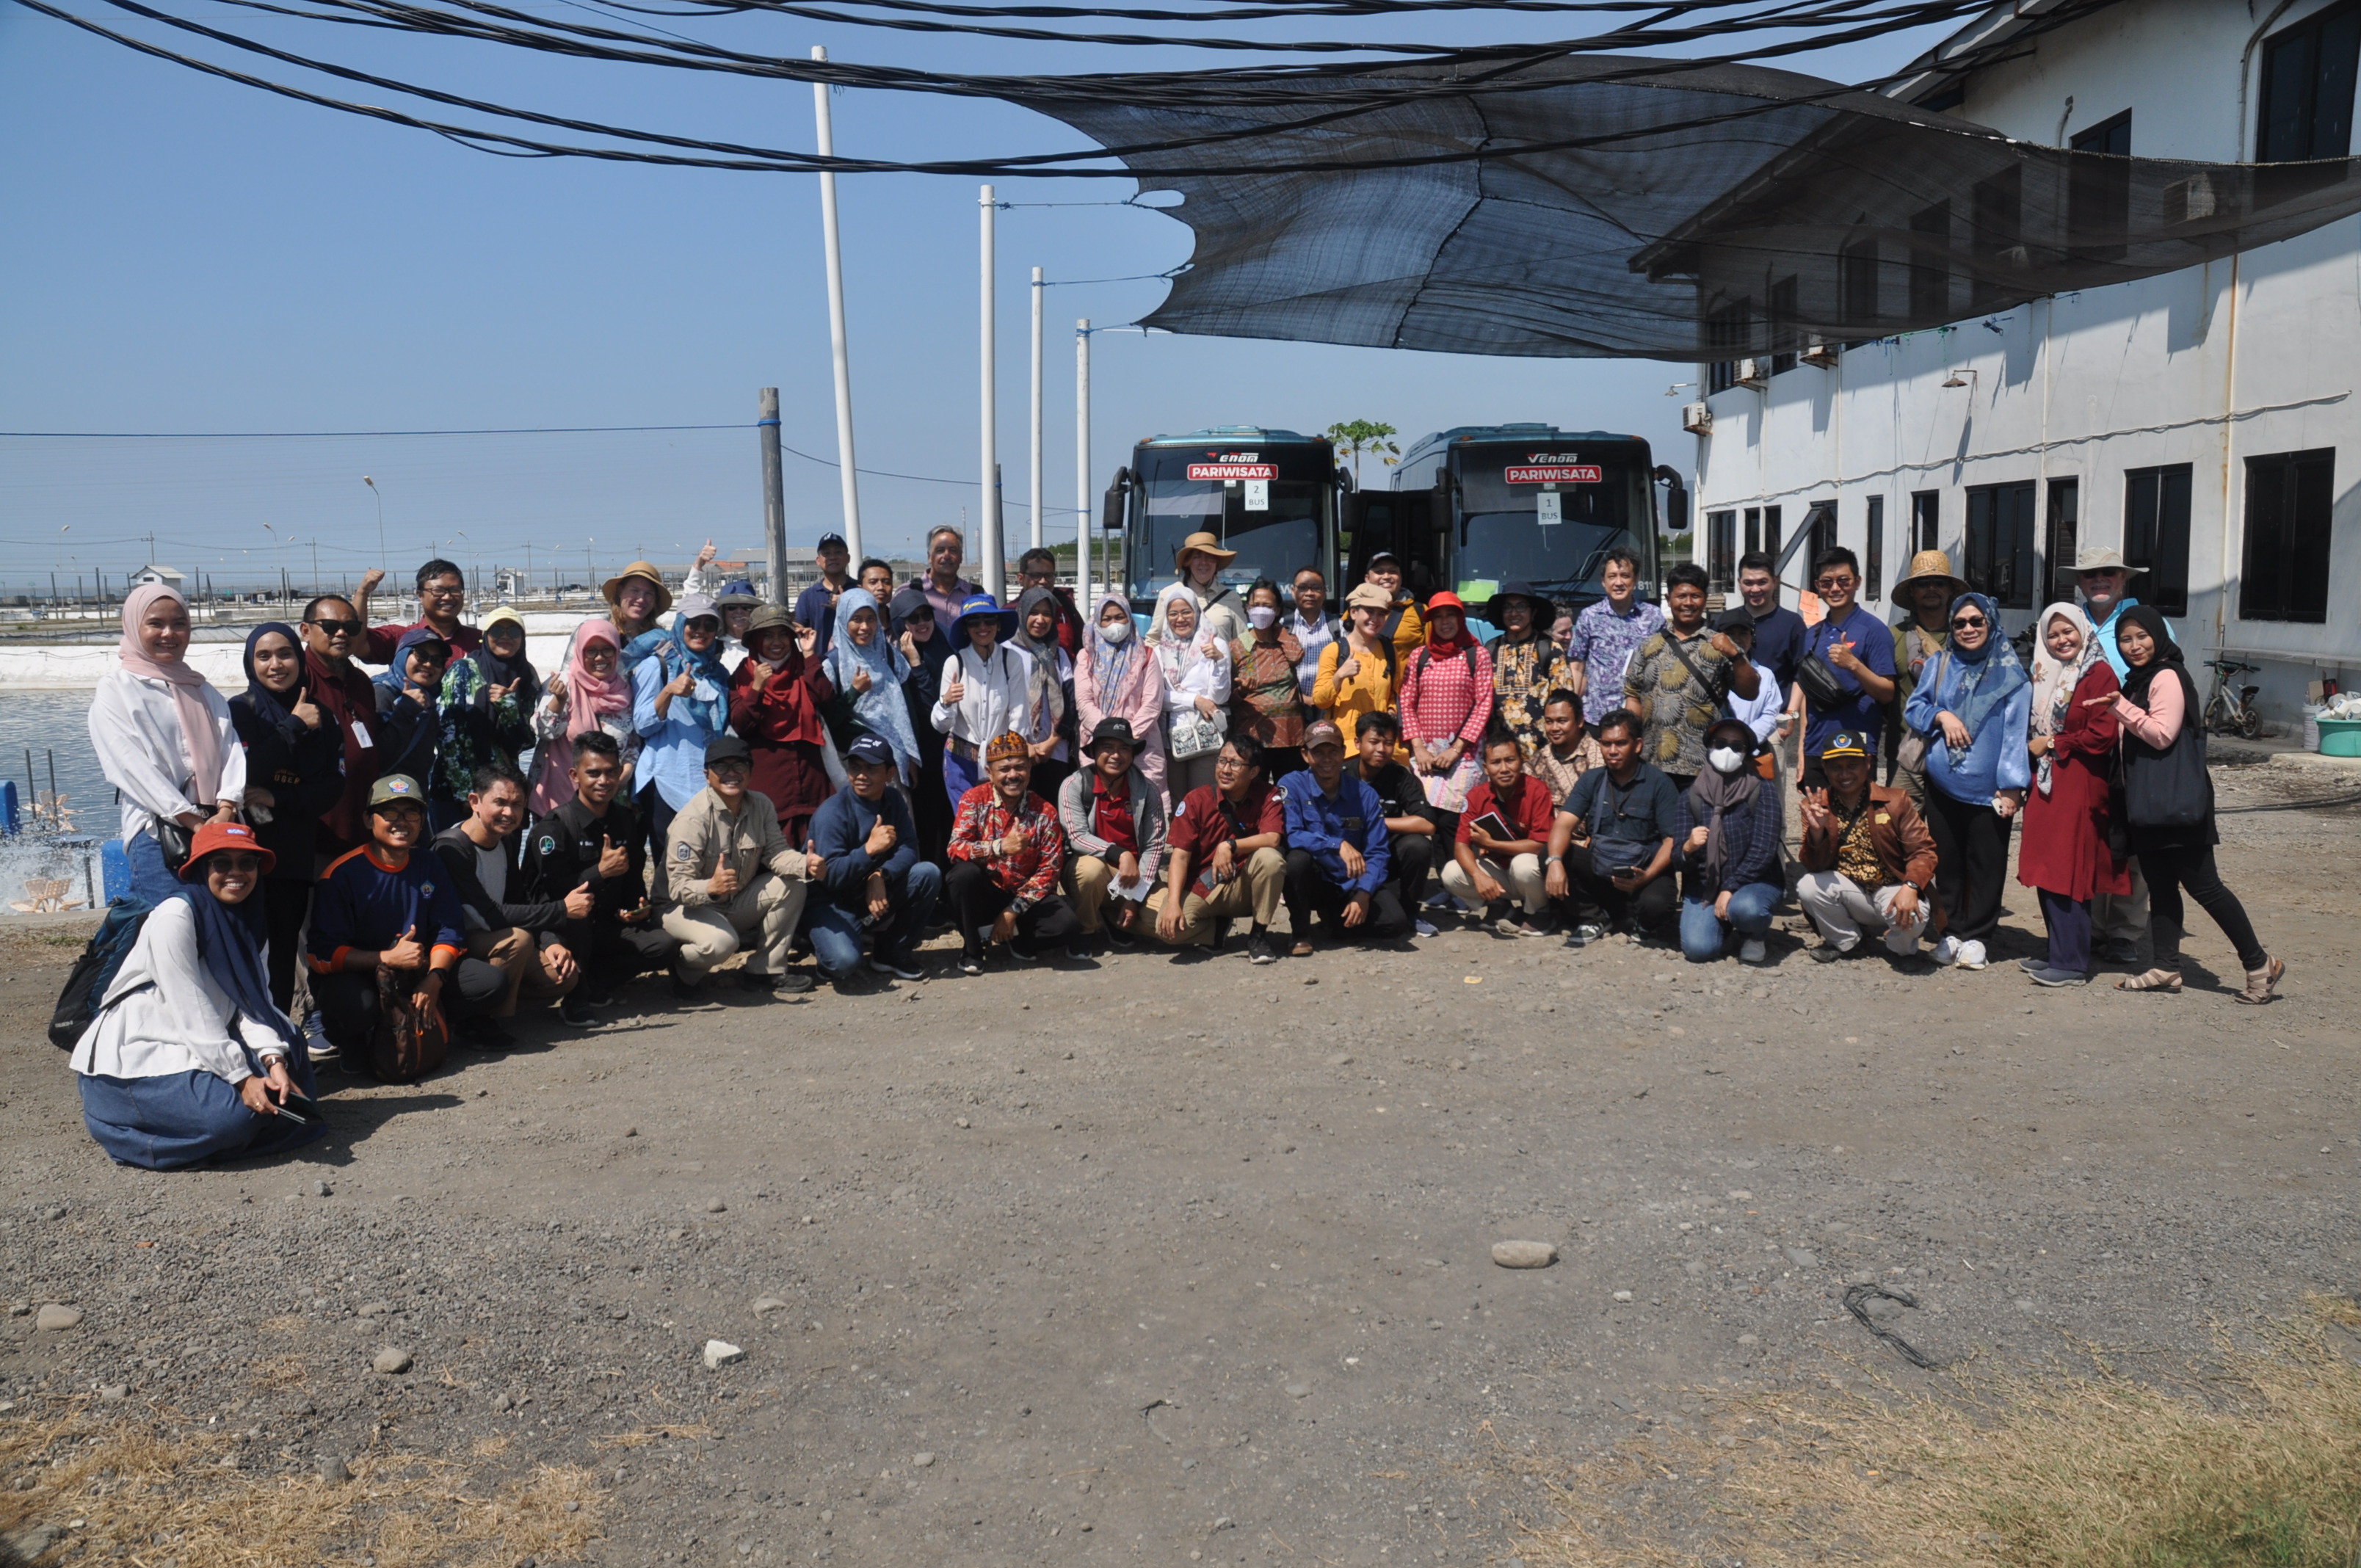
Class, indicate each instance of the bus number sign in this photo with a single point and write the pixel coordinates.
(1548, 474)
(1232, 472)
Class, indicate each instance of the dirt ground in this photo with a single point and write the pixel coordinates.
(1172, 1261)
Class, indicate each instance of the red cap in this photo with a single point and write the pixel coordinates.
(219, 835)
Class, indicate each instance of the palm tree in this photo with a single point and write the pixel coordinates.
(1354, 437)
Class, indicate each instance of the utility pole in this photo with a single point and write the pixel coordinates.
(848, 477)
(1085, 558)
(1037, 287)
(774, 498)
(988, 523)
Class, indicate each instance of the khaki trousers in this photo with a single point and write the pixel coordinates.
(1256, 890)
(1090, 881)
(768, 909)
(1523, 879)
(2122, 917)
(1843, 912)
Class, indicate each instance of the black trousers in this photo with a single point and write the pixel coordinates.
(348, 1009)
(977, 901)
(2191, 867)
(1413, 863)
(285, 902)
(1597, 900)
(1970, 861)
(655, 817)
(1311, 892)
(610, 953)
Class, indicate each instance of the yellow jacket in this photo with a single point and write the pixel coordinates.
(1368, 689)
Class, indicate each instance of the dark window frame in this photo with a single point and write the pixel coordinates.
(2060, 531)
(1785, 306)
(1998, 554)
(2157, 505)
(1872, 555)
(1727, 327)
(1926, 521)
(1999, 212)
(2303, 65)
(2290, 536)
(1930, 280)
(1857, 289)
(1721, 550)
(2098, 192)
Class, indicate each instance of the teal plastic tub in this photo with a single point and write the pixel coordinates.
(2340, 737)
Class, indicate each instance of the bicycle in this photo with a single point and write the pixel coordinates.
(2231, 709)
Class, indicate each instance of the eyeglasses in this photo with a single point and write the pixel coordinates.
(331, 629)
(233, 860)
(1965, 622)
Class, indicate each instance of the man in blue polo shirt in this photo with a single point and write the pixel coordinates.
(1858, 649)
(1337, 849)
(874, 885)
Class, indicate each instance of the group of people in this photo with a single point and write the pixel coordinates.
(417, 855)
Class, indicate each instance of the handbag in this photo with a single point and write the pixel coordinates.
(1910, 752)
(174, 841)
(1190, 733)
(409, 1042)
(2169, 788)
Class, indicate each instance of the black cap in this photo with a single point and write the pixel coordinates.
(870, 750)
(1114, 729)
(1738, 617)
(721, 748)
(836, 539)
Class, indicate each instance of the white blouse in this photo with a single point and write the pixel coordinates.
(165, 1015)
(993, 701)
(1192, 673)
(135, 728)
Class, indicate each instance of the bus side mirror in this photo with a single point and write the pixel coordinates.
(1676, 500)
(1111, 515)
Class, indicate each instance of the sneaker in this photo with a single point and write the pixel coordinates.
(322, 1050)
(1438, 899)
(971, 962)
(1079, 953)
(2036, 962)
(1586, 934)
(787, 983)
(1752, 951)
(484, 1034)
(2045, 975)
(1023, 955)
(1120, 938)
(1424, 927)
(1972, 955)
(1828, 953)
(900, 969)
(575, 1012)
(1947, 951)
(1258, 950)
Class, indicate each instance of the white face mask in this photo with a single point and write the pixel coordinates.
(1262, 618)
(1117, 631)
(1725, 759)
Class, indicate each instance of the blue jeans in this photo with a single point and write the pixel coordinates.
(1703, 936)
(835, 930)
(150, 878)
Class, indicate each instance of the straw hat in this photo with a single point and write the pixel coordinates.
(1204, 544)
(1932, 566)
(645, 570)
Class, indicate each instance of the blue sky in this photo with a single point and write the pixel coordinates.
(183, 254)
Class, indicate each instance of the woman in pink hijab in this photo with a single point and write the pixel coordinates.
(163, 737)
(587, 694)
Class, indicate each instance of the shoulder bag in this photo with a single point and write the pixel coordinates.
(1910, 752)
(1767, 762)
(2169, 788)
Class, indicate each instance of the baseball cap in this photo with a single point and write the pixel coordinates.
(836, 539)
(1844, 743)
(1322, 734)
(396, 787)
(722, 748)
(870, 750)
(696, 607)
(1737, 617)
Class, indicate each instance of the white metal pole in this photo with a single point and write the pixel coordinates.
(848, 477)
(988, 512)
(1085, 558)
(1036, 410)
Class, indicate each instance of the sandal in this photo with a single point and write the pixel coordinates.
(2261, 983)
(2151, 979)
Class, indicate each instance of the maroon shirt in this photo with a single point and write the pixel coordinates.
(1204, 822)
(384, 639)
(346, 699)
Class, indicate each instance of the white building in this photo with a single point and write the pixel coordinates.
(2202, 421)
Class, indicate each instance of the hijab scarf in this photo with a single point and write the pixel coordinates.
(882, 709)
(230, 938)
(2167, 655)
(498, 672)
(1111, 661)
(1985, 678)
(265, 703)
(1438, 648)
(1178, 659)
(2054, 683)
(711, 714)
(1045, 697)
(590, 697)
(1719, 798)
(188, 687)
(397, 674)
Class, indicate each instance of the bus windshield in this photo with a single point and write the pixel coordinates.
(1273, 542)
(1553, 538)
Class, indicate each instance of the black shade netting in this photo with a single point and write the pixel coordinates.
(1687, 214)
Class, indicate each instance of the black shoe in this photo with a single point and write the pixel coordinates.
(484, 1034)
(1221, 935)
(576, 1013)
(1023, 955)
(1079, 953)
(1258, 949)
(788, 983)
(971, 962)
(682, 990)
(1825, 953)
(2118, 950)
(1118, 937)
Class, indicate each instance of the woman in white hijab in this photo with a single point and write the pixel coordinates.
(2064, 856)
(164, 741)
(1196, 690)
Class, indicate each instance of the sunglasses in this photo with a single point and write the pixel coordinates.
(1962, 623)
(331, 629)
(233, 860)
(1834, 583)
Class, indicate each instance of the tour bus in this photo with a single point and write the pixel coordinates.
(1478, 505)
(1270, 495)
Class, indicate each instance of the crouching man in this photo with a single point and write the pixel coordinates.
(1868, 857)
(1338, 848)
(730, 875)
(1007, 849)
(520, 938)
(874, 885)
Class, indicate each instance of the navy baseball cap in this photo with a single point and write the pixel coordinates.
(871, 750)
(836, 539)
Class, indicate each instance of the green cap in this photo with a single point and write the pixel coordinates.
(397, 787)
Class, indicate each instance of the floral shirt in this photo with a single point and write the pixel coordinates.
(1603, 642)
(1523, 675)
(474, 732)
(1030, 875)
(1677, 708)
(1265, 701)
(1560, 773)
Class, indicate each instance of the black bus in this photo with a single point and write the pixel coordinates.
(1480, 505)
(1270, 495)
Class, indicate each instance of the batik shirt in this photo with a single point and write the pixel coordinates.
(1523, 675)
(1677, 707)
(1030, 875)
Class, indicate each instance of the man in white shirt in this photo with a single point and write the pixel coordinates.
(1314, 627)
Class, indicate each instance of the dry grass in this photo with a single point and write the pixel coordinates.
(148, 1493)
(2255, 1461)
(646, 1435)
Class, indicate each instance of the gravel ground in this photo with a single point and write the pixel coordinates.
(1176, 1261)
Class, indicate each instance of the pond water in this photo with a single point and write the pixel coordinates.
(55, 724)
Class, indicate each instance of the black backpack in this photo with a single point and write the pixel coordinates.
(96, 969)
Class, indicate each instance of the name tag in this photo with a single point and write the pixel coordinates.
(361, 736)
(1351, 824)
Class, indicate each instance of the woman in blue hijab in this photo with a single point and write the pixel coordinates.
(868, 671)
(1973, 704)
(409, 729)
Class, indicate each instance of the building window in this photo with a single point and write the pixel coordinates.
(1771, 530)
(2155, 535)
(1857, 283)
(1721, 550)
(1753, 530)
(2099, 191)
(1930, 264)
(1999, 243)
(2289, 497)
(2065, 519)
(1782, 326)
(2000, 558)
(1874, 555)
(2308, 79)
(1727, 331)
(1927, 519)
(1820, 523)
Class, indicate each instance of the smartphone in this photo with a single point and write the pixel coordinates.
(301, 1111)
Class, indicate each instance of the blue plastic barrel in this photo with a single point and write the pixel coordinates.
(8, 823)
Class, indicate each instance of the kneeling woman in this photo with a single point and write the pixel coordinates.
(188, 1059)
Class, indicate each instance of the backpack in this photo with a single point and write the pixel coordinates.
(102, 959)
(408, 1043)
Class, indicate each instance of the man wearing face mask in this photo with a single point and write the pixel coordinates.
(1727, 829)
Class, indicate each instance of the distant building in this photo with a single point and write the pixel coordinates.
(152, 573)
